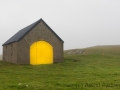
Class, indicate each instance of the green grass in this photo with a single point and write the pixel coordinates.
(113, 50)
(77, 72)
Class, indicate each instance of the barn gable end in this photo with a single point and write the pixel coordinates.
(21, 41)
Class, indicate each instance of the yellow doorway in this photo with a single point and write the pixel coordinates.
(41, 52)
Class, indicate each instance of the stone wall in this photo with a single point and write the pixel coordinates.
(10, 52)
(40, 32)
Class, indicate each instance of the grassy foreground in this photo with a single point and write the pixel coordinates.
(77, 72)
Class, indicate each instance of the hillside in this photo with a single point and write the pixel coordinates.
(93, 68)
(102, 50)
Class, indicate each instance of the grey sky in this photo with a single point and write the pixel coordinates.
(80, 23)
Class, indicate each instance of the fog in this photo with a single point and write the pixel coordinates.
(80, 23)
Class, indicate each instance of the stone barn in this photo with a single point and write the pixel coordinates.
(34, 44)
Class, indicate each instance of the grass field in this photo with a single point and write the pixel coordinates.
(88, 71)
(110, 50)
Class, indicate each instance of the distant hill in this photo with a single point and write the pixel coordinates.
(0, 57)
(101, 49)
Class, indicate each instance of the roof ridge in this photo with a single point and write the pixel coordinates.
(52, 30)
(21, 33)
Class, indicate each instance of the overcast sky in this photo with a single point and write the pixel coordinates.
(80, 23)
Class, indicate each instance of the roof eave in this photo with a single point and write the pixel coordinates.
(52, 31)
(8, 43)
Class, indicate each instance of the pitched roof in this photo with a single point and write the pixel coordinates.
(20, 34)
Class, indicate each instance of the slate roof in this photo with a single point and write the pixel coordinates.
(20, 34)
